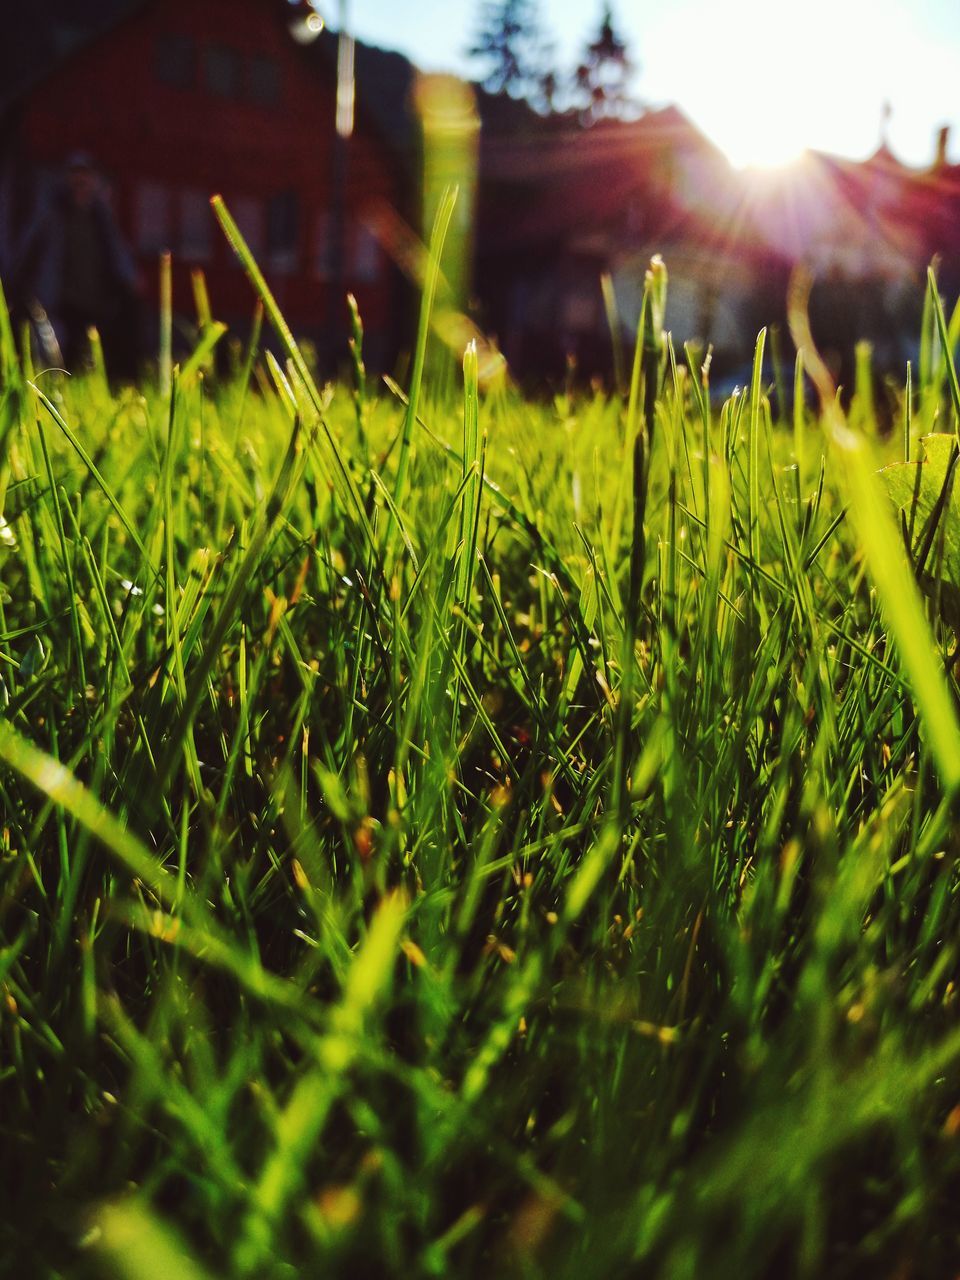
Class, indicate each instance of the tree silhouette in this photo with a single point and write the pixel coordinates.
(602, 79)
(511, 44)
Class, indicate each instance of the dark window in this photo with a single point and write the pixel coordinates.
(636, 215)
(248, 215)
(222, 71)
(175, 61)
(283, 230)
(323, 261)
(366, 255)
(152, 216)
(263, 81)
(195, 226)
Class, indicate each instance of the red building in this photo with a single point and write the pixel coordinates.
(561, 204)
(176, 100)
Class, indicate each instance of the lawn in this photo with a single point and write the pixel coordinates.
(449, 834)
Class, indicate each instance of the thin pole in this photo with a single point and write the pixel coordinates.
(346, 94)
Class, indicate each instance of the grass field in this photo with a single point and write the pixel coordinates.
(469, 836)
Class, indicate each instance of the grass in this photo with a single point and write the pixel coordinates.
(471, 836)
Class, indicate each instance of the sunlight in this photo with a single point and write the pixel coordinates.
(764, 145)
(818, 82)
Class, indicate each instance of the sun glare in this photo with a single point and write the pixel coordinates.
(772, 135)
(766, 147)
(766, 89)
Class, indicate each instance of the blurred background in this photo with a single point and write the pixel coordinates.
(739, 141)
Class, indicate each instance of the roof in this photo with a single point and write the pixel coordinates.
(548, 147)
(566, 183)
(880, 212)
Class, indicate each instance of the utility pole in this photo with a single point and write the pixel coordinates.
(346, 96)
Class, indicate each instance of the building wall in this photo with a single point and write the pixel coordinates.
(182, 100)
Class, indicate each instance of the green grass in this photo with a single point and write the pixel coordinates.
(471, 837)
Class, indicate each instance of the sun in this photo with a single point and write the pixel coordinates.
(766, 90)
(760, 124)
(761, 143)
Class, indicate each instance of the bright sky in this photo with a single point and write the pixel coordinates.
(764, 78)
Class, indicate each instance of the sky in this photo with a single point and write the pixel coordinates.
(763, 78)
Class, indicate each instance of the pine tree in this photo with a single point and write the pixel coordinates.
(511, 45)
(602, 79)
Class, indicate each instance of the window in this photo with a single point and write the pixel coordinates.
(283, 230)
(195, 226)
(578, 311)
(263, 81)
(222, 71)
(175, 61)
(365, 266)
(323, 262)
(248, 215)
(636, 218)
(152, 217)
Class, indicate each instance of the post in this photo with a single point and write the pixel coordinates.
(346, 94)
